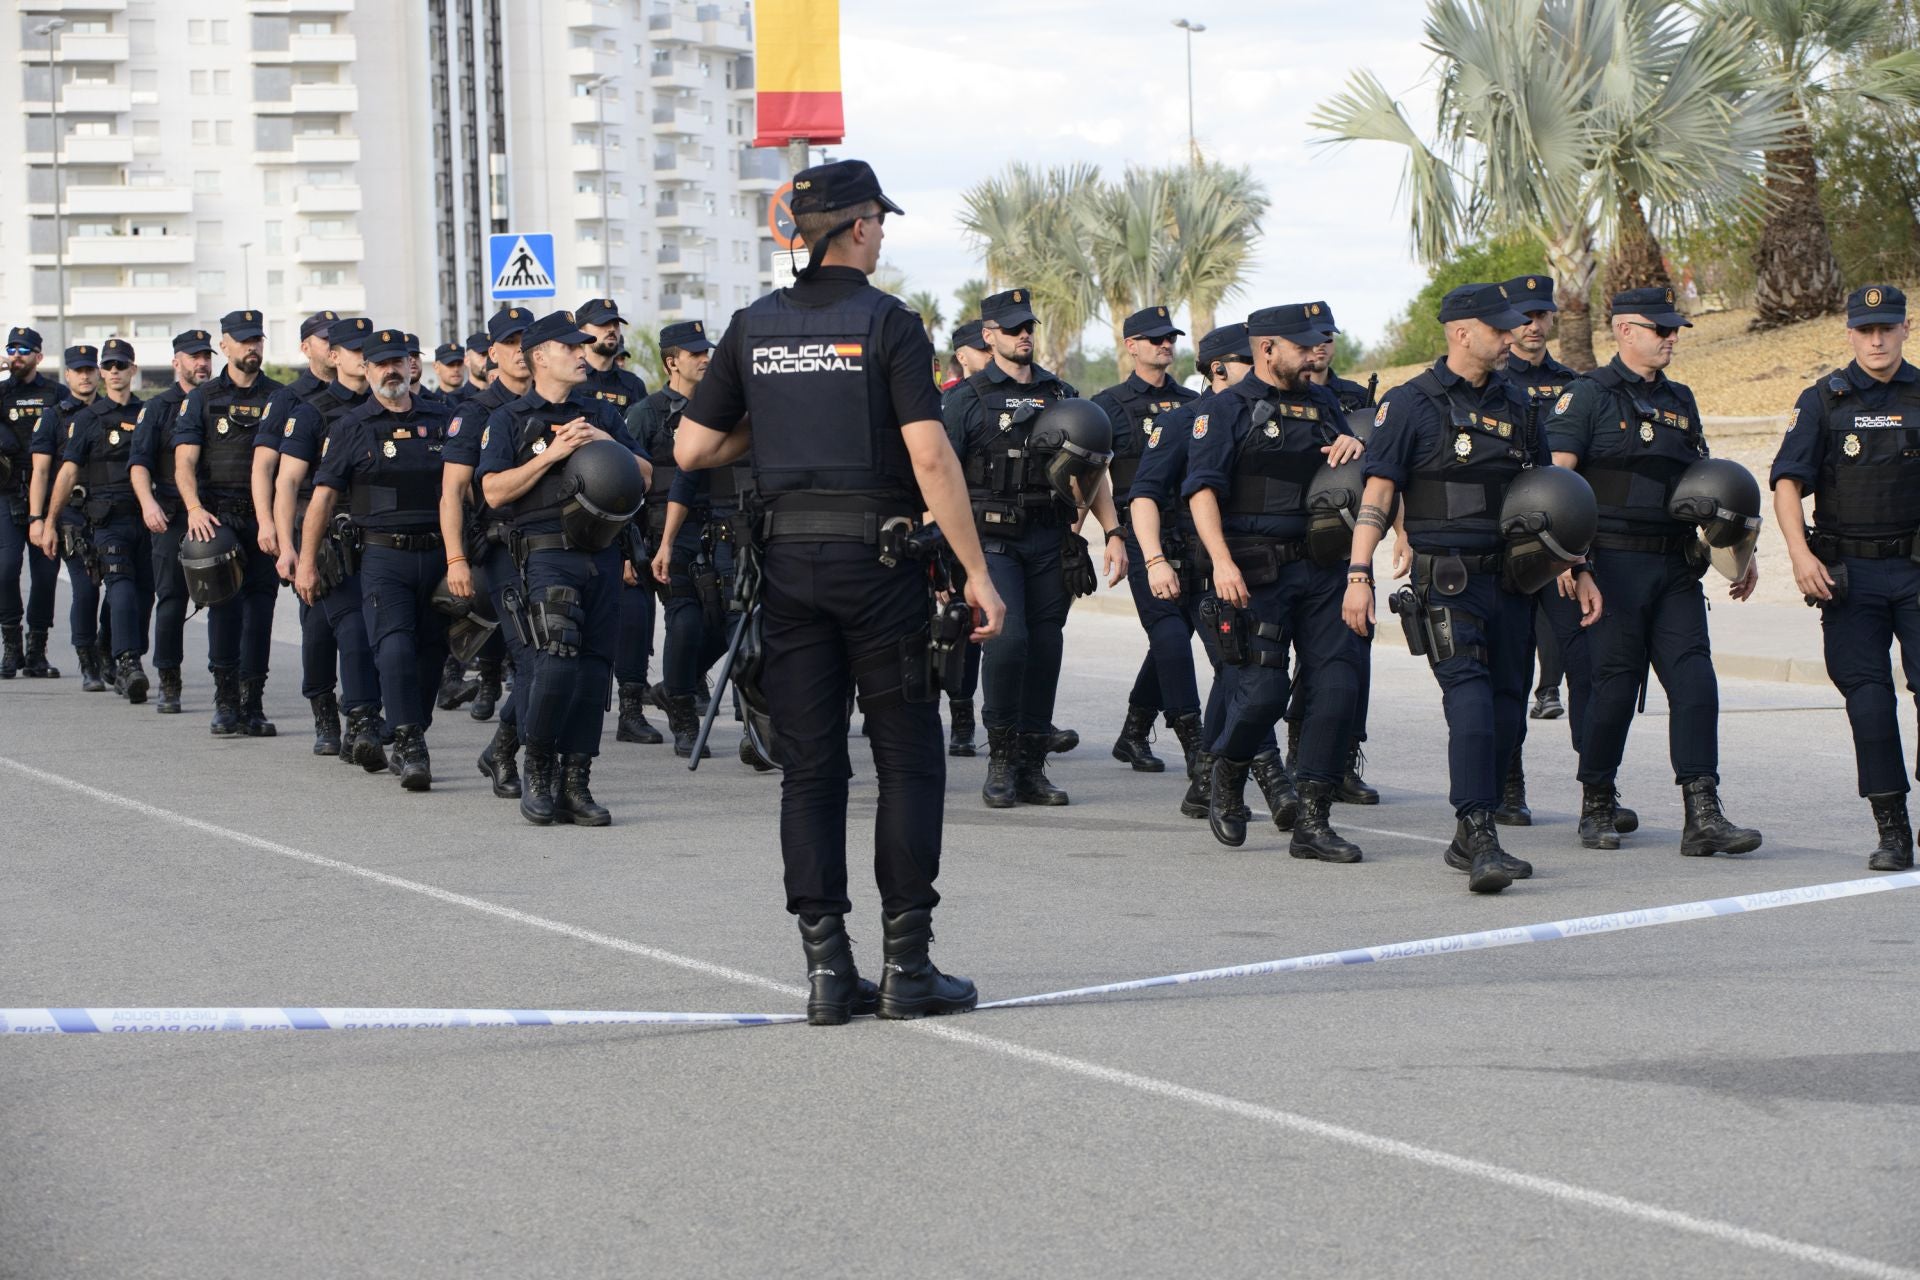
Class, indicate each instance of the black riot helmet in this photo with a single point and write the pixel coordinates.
(1549, 518)
(1076, 436)
(1333, 502)
(471, 621)
(748, 666)
(603, 492)
(214, 569)
(1361, 422)
(1723, 498)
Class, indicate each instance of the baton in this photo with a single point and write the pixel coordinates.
(719, 687)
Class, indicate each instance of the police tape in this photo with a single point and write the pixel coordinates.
(1487, 939)
(301, 1019)
(208, 1019)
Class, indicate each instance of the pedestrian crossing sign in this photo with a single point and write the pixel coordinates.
(520, 265)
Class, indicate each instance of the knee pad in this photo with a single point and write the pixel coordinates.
(558, 620)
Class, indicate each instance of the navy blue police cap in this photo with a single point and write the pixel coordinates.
(1325, 315)
(1655, 303)
(1228, 342)
(116, 349)
(1009, 309)
(968, 335)
(555, 326)
(839, 185)
(507, 322)
(243, 326)
(319, 322)
(1149, 322)
(598, 311)
(449, 353)
(192, 342)
(478, 342)
(1488, 302)
(80, 356)
(1530, 294)
(1876, 304)
(384, 344)
(21, 336)
(687, 335)
(413, 343)
(1301, 323)
(351, 333)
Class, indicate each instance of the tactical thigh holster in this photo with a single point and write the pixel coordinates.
(1235, 630)
(556, 622)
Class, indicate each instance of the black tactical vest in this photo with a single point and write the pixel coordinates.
(1276, 459)
(659, 447)
(232, 416)
(1461, 492)
(1141, 408)
(25, 405)
(1006, 477)
(1632, 487)
(404, 481)
(157, 415)
(106, 474)
(1870, 463)
(332, 409)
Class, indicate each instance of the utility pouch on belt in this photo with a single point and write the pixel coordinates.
(947, 646)
(1076, 565)
(328, 565)
(633, 548)
(514, 603)
(706, 589)
(1837, 570)
(917, 683)
(1229, 631)
(1405, 605)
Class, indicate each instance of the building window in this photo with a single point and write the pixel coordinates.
(328, 227)
(326, 177)
(150, 279)
(587, 280)
(309, 27)
(206, 181)
(326, 276)
(271, 232)
(212, 282)
(143, 35)
(276, 288)
(217, 31)
(223, 133)
(149, 328)
(223, 80)
(146, 82)
(272, 188)
(196, 31)
(198, 82)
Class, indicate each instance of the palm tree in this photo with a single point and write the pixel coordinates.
(1023, 221)
(643, 355)
(1557, 117)
(923, 304)
(1127, 229)
(967, 298)
(1216, 214)
(1806, 44)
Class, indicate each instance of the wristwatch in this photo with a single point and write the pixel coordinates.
(1116, 532)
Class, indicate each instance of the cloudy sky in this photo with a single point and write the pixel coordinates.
(935, 104)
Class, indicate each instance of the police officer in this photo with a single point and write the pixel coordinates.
(841, 444)
(680, 525)
(1023, 526)
(1255, 448)
(1849, 444)
(1351, 395)
(220, 428)
(486, 531)
(333, 633)
(1165, 682)
(970, 352)
(600, 319)
(383, 459)
(1453, 439)
(1632, 431)
(24, 397)
(450, 373)
(97, 450)
(571, 594)
(71, 542)
(150, 469)
(479, 364)
(970, 355)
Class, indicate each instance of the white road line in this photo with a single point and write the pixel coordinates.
(1551, 1188)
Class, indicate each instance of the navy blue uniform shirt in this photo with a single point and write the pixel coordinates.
(1219, 431)
(1803, 450)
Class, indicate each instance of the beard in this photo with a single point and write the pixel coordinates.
(247, 362)
(608, 346)
(393, 387)
(20, 367)
(1019, 357)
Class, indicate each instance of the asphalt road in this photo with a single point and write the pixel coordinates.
(1738, 1097)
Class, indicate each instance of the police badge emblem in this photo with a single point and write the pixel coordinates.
(388, 449)
(1462, 445)
(1006, 421)
(1146, 424)
(1273, 431)
(1506, 429)
(1873, 300)
(539, 447)
(113, 437)
(221, 426)
(1851, 446)
(1646, 432)
(1200, 427)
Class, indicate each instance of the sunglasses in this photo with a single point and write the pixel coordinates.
(1166, 341)
(20, 351)
(1659, 330)
(1019, 331)
(113, 365)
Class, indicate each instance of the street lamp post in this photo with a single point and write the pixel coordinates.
(597, 87)
(246, 273)
(1192, 29)
(51, 29)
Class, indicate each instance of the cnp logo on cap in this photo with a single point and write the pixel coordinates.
(1017, 297)
(1873, 297)
(806, 185)
(386, 335)
(699, 328)
(1532, 283)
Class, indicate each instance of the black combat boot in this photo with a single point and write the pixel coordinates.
(487, 690)
(960, 728)
(1199, 787)
(11, 658)
(326, 724)
(92, 678)
(1353, 789)
(363, 746)
(574, 800)
(838, 992)
(1546, 705)
(1625, 820)
(684, 721)
(1476, 850)
(410, 749)
(1134, 747)
(103, 663)
(130, 679)
(1512, 810)
(497, 762)
(1030, 782)
(455, 689)
(633, 717)
(226, 702)
(1707, 831)
(1597, 827)
(910, 987)
(998, 790)
(1186, 727)
(1313, 834)
(253, 716)
(1061, 741)
(536, 792)
(750, 754)
(36, 666)
(1270, 775)
(1896, 833)
(1227, 811)
(168, 703)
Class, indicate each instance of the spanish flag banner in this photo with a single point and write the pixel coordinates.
(797, 64)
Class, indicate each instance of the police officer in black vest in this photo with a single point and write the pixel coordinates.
(1165, 682)
(485, 541)
(1453, 439)
(827, 387)
(220, 427)
(571, 594)
(72, 544)
(333, 634)
(1849, 443)
(1254, 451)
(150, 469)
(450, 374)
(1351, 395)
(97, 453)
(600, 320)
(1023, 527)
(1632, 431)
(383, 458)
(25, 395)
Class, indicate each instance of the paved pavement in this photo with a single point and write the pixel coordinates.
(1739, 1097)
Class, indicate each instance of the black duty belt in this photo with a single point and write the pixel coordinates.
(1829, 545)
(1488, 562)
(1660, 545)
(532, 542)
(1260, 560)
(403, 541)
(827, 526)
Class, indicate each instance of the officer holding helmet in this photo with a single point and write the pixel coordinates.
(384, 459)
(572, 577)
(1255, 449)
(1454, 440)
(1849, 443)
(825, 386)
(1634, 433)
(150, 468)
(1024, 524)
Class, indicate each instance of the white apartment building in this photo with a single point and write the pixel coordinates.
(281, 154)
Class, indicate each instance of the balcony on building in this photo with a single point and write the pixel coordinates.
(591, 15)
(119, 199)
(347, 299)
(320, 148)
(124, 300)
(677, 25)
(85, 99)
(301, 7)
(338, 198)
(674, 260)
(673, 120)
(592, 61)
(584, 157)
(587, 205)
(329, 249)
(586, 108)
(326, 99)
(676, 73)
(671, 214)
(127, 251)
(762, 169)
(589, 253)
(84, 48)
(338, 47)
(676, 306)
(75, 6)
(720, 29)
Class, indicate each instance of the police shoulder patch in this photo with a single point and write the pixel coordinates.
(1793, 419)
(1153, 438)
(453, 428)
(1200, 427)
(288, 429)
(486, 433)
(1380, 415)
(1564, 403)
